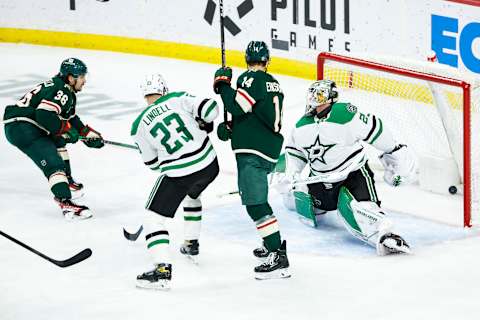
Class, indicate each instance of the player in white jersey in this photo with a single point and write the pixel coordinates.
(171, 134)
(328, 140)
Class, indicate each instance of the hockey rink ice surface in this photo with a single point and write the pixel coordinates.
(333, 275)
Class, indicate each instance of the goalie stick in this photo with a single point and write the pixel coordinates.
(132, 236)
(79, 257)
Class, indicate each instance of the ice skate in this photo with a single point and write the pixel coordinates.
(391, 243)
(190, 249)
(260, 252)
(73, 211)
(76, 188)
(275, 266)
(158, 279)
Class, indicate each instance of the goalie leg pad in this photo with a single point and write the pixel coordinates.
(305, 209)
(363, 220)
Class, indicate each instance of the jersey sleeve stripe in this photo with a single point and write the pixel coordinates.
(244, 100)
(210, 108)
(374, 124)
(294, 151)
(200, 107)
(49, 106)
(297, 156)
(379, 132)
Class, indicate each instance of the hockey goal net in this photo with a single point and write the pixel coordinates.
(432, 108)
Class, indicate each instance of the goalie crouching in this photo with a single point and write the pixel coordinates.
(328, 138)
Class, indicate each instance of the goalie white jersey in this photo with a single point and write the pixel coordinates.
(169, 137)
(332, 146)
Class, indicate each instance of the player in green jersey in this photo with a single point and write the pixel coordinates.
(256, 109)
(43, 121)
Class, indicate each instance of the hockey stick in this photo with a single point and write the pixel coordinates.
(222, 48)
(121, 144)
(230, 193)
(132, 236)
(79, 257)
(115, 143)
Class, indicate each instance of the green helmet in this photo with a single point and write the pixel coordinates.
(257, 51)
(72, 66)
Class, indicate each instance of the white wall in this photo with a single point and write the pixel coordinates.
(394, 27)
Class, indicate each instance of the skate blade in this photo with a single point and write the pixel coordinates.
(392, 248)
(74, 217)
(77, 194)
(192, 259)
(163, 285)
(276, 274)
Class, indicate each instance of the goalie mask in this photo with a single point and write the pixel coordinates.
(154, 84)
(320, 92)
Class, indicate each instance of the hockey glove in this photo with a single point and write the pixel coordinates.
(203, 125)
(64, 127)
(222, 75)
(71, 136)
(91, 138)
(224, 131)
(400, 166)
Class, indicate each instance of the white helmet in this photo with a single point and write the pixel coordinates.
(320, 92)
(154, 84)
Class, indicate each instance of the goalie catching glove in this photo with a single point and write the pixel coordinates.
(400, 166)
(91, 138)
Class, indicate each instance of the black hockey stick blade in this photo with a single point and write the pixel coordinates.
(79, 257)
(132, 236)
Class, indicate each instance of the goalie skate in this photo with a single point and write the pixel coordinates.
(391, 243)
(157, 279)
(190, 249)
(275, 266)
(73, 211)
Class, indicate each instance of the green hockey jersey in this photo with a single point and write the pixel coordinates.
(48, 105)
(256, 108)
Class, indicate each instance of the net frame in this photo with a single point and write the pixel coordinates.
(465, 86)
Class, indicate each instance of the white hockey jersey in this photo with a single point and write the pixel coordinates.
(169, 137)
(332, 146)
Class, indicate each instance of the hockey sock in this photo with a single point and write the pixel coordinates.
(59, 185)
(157, 237)
(267, 225)
(66, 159)
(192, 215)
(68, 169)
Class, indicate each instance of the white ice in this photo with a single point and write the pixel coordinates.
(334, 276)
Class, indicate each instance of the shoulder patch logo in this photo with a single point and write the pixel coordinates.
(351, 108)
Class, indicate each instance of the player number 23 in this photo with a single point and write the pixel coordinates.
(170, 122)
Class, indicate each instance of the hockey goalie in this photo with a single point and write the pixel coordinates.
(327, 143)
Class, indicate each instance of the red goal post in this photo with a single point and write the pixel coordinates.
(352, 73)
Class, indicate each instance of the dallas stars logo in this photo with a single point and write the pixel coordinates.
(316, 152)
